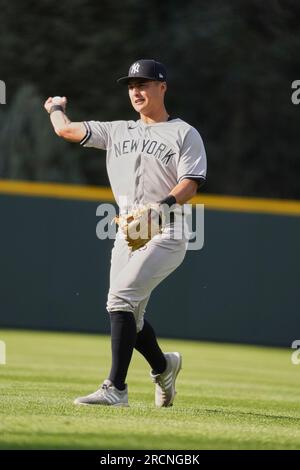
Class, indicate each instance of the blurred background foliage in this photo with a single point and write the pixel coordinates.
(230, 63)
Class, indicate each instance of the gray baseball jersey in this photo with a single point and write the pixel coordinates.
(146, 161)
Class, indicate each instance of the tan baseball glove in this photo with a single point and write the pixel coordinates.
(141, 225)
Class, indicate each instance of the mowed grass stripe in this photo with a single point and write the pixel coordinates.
(229, 397)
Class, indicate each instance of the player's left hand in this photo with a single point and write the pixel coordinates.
(141, 225)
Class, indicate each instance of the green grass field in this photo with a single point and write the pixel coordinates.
(229, 397)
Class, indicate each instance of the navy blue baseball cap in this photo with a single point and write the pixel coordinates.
(147, 69)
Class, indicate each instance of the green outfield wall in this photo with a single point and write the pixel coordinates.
(243, 286)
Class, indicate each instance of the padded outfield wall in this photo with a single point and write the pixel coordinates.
(243, 286)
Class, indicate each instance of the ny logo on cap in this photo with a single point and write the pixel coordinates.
(135, 68)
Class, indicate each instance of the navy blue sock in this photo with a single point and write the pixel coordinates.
(123, 338)
(146, 344)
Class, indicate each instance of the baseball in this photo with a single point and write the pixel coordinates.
(56, 99)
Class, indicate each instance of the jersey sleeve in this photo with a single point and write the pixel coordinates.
(97, 134)
(192, 160)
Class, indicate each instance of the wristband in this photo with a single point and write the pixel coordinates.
(56, 107)
(169, 200)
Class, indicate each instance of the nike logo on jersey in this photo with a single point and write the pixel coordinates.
(147, 147)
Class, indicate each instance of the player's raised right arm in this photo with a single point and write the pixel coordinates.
(63, 127)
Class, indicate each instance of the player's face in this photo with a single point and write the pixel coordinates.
(146, 96)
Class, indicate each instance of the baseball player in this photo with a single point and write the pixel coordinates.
(155, 165)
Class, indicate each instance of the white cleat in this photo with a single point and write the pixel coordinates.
(107, 395)
(165, 382)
